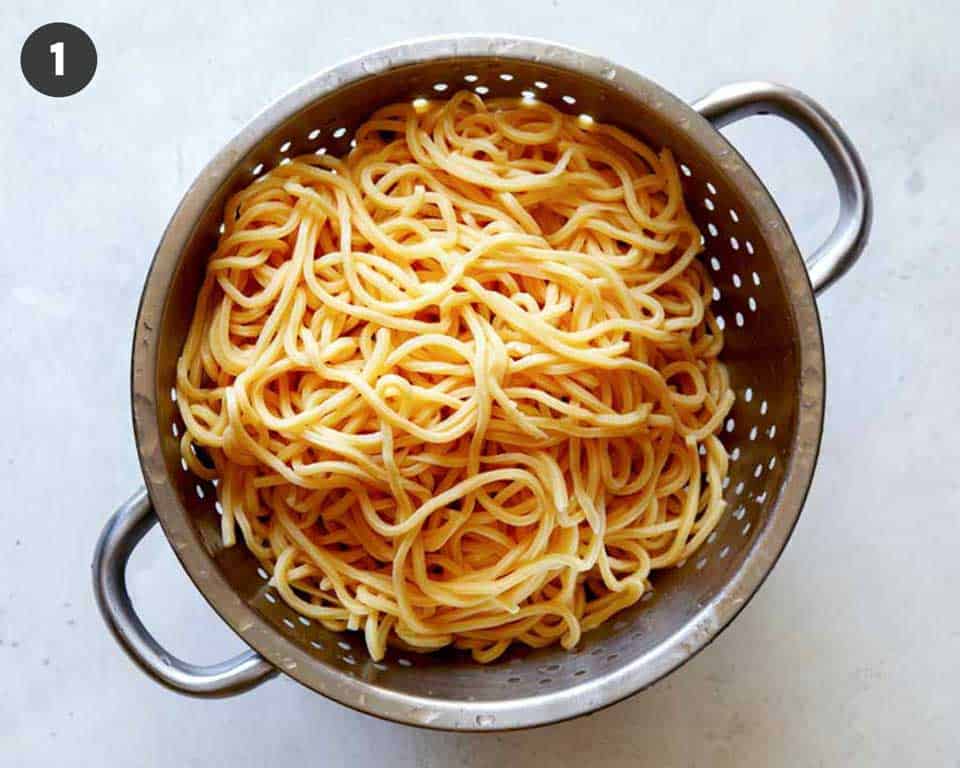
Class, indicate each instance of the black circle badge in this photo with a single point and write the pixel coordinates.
(58, 59)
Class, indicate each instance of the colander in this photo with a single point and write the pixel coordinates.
(764, 297)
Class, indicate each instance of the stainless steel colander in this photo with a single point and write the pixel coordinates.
(773, 349)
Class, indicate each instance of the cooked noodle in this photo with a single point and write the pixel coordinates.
(461, 387)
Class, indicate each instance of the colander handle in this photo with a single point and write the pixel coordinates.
(120, 536)
(843, 247)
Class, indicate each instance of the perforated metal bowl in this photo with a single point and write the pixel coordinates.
(773, 349)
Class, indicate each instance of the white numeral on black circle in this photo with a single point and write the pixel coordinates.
(57, 50)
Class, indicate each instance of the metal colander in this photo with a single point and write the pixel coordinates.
(773, 350)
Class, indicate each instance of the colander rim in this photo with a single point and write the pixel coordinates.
(579, 698)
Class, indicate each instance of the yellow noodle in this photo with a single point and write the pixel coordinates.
(462, 386)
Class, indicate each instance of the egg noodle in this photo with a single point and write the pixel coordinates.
(461, 387)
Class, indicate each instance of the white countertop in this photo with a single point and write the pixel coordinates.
(847, 656)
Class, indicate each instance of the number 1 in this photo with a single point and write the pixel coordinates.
(57, 50)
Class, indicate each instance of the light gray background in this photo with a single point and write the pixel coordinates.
(849, 654)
